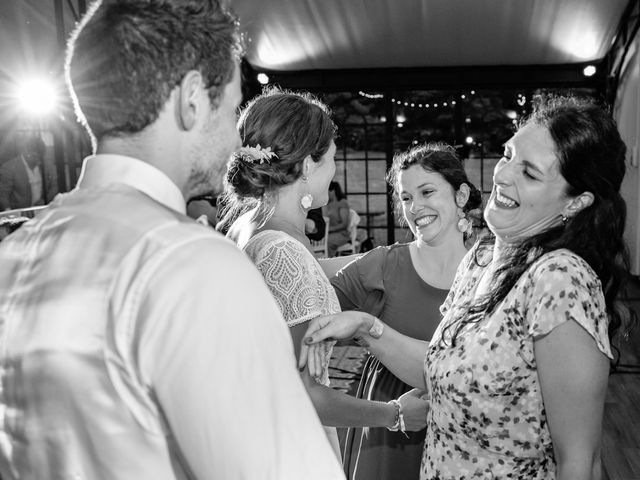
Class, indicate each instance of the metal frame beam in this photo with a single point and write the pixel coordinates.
(442, 78)
(61, 137)
(615, 58)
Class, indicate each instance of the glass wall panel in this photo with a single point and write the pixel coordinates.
(476, 122)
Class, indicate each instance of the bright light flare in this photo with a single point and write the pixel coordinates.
(36, 96)
(263, 78)
(589, 70)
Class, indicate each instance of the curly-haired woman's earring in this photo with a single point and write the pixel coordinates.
(307, 199)
(464, 224)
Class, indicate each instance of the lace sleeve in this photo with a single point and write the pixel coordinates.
(294, 277)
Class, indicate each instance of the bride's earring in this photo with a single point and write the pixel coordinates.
(307, 199)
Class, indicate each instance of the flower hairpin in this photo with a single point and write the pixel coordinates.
(256, 154)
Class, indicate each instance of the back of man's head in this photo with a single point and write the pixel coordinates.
(126, 56)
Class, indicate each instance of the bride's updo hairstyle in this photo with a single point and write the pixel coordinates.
(279, 129)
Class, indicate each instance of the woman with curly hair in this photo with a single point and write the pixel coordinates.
(404, 285)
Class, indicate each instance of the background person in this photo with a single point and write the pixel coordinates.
(516, 372)
(404, 285)
(315, 226)
(27, 180)
(338, 212)
(129, 349)
(203, 208)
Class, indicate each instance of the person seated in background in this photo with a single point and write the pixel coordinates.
(203, 209)
(282, 171)
(517, 370)
(404, 285)
(338, 212)
(27, 180)
(315, 226)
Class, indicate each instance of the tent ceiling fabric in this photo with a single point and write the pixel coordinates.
(28, 35)
(291, 35)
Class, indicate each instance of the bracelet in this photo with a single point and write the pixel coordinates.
(399, 423)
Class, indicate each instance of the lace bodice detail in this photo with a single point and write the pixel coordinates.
(296, 280)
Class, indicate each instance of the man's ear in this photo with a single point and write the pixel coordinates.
(578, 203)
(189, 100)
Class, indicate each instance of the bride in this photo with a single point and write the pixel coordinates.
(283, 170)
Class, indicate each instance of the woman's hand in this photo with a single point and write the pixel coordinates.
(338, 326)
(414, 409)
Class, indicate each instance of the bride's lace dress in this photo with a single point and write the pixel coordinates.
(298, 284)
(295, 279)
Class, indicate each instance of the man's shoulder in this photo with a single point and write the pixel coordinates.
(168, 228)
(131, 217)
(184, 230)
(188, 250)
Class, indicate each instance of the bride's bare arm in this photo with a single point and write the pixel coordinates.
(341, 410)
(402, 355)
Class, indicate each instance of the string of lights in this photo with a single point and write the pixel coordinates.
(521, 100)
(371, 95)
(414, 104)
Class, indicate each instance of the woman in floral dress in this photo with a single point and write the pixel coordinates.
(516, 372)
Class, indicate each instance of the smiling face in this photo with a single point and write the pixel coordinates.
(428, 204)
(528, 195)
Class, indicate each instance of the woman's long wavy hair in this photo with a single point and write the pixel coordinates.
(591, 158)
(293, 125)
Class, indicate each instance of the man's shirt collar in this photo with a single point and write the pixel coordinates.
(104, 169)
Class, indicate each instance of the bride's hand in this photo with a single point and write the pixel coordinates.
(338, 326)
(414, 408)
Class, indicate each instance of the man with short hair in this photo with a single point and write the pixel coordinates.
(135, 343)
(27, 180)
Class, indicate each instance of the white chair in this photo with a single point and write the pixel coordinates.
(321, 247)
(28, 212)
(353, 245)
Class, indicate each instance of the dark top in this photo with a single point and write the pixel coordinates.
(384, 282)
(315, 215)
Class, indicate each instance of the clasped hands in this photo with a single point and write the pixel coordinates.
(350, 324)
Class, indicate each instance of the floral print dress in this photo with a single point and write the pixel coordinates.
(487, 416)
